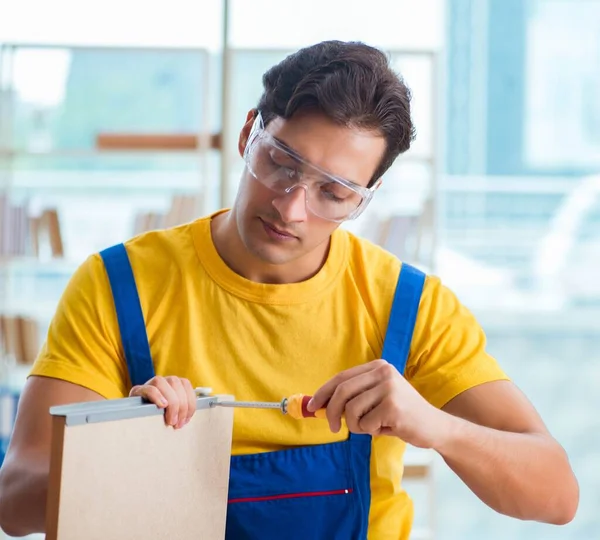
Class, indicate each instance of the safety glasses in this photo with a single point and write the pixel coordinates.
(282, 170)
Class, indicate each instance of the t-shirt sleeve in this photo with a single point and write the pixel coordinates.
(83, 344)
(448, 351)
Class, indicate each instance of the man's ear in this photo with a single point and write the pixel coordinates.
(245, 133)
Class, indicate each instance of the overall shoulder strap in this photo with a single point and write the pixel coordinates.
(129, 314)
(403, 315)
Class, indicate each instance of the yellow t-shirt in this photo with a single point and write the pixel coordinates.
(266, 341)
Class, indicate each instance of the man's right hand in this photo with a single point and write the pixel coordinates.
(174, 394)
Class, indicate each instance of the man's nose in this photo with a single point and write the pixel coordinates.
(291, 205)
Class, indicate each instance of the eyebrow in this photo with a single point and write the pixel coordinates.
(289, 149)
(299, 157)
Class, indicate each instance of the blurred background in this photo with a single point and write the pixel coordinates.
(121, 116)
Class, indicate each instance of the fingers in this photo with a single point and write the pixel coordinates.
(355, 394)
(149, 393)
(347, 392)
(372, 424)
(190, 394)
(174, 393)
(179, 417)
(324, 394)
(358, 410)
(171, 394)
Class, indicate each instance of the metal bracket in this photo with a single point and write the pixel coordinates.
(116, 409)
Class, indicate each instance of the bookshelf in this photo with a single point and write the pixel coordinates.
(96, 154)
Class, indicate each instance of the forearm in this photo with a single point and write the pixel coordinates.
(23, 491)
(523, 475)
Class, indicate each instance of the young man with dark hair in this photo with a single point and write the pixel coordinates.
(271, 298)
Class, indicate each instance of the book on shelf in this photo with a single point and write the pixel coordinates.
(23, 233)
(20, 338)
(183, 209)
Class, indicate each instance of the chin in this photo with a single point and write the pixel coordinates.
(270, 254)
(267, 249)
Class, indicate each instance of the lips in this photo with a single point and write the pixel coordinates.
(282, 232)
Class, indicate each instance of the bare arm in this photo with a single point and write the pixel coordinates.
(24, 474)
(490, 436)
(498, 445)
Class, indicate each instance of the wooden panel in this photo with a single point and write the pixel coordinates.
(416, 471)
(54, 479)
(138, 479)
(157, 142)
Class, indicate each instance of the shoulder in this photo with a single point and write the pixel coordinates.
(368, 261)
(377, 268)
(448, 353)
(168, 252)
(440, 303)
(153, 256)
(166, 245)
(376, 271)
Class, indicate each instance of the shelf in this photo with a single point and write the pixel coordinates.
(28, 537)
(86, 182)
(421, 533)
(418, 464)
(56, 265)
(109, 151)
(162, 142)
(128, 144)
(40, 311)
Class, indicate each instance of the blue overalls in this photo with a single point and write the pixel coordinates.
(309, 492)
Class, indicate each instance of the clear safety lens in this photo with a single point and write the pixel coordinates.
(282, 170)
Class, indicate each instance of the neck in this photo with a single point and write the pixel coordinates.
(234, 253)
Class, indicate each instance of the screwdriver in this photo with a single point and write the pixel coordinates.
(294, 406)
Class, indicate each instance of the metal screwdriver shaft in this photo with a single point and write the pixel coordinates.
(252, 404)
(295, 406)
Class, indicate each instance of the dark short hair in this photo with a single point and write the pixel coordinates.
(352, 83)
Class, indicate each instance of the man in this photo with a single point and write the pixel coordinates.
(270, 298)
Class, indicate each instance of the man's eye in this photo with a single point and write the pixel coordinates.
(331, 196)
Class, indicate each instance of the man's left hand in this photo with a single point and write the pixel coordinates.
(376, 399)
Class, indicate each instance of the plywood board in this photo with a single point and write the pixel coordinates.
(119, 477)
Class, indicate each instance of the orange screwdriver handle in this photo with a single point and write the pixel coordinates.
(296, 407)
